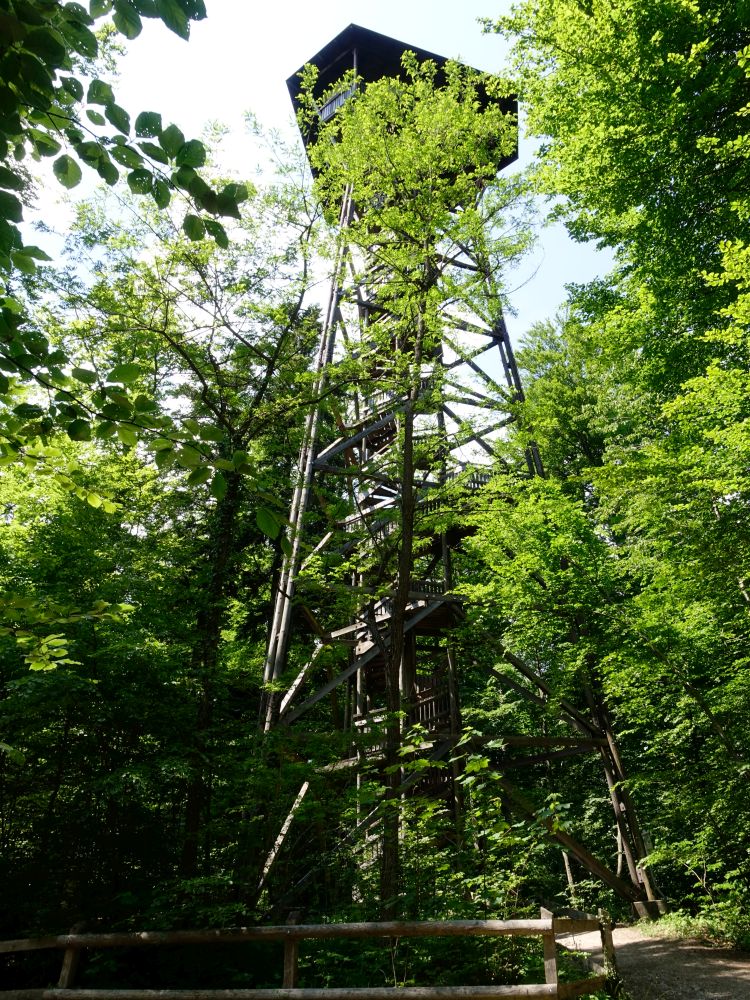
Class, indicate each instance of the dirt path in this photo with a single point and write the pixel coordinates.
(658, 968)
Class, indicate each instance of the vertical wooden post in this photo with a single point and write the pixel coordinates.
(550, 951)
(571, 880)
(608, 944)
(71, 958)
(291, 955)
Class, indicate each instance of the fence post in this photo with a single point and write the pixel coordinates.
(71, 958)
(291, 954)
(550, 950)
(608, 944)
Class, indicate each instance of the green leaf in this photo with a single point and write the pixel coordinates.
(98, 8)
(188, 457)
(146, 8)
(82, 40)
(218, 486)
(218, 232)
(94, 500)
(94, 117)
(194, 227)
(126, 18)
(118, 117)
(44, 144)
(90, 152)
(209, 432)
(10, 206)
(84, 375)
(154, 152)
(227, 206)
(127, 156)
(206, 198)
(79, 430)
(267, 522)
(184, 176)
(191, 154)
(148, 124)
(161, 444)
(174, 17)
(33, 251)
(77, 12)
(171, 140)
(199, 476)
(128, 436)
(100, 92)
(108, 171)
(235, 192)
(164, 458)
(140, 181)
(143, 403)
(73, 86)
(67, 171)
(161, 193)
(12, 754)
(195, 9)
(10, 179)
(23, 263)
(50, 46)
(125, 373)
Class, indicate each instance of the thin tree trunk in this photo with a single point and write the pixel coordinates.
(399, 686)
(208, 626)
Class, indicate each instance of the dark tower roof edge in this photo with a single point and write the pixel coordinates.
(377, 56)
(373, 56)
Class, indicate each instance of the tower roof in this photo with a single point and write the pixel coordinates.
(373, 56)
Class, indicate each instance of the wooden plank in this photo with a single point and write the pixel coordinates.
(291, 971)
(577, 849)
(550, 949)
(550, 959)
(550, 742)
(360, 662)
(291, 956)
(575, 925)
(282, 932)
(608, 944)
(279, 842)
(362, 993)
(69, 969)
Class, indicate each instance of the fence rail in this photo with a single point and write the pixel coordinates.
(291, 935)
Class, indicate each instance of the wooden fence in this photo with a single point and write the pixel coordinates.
(291, 935)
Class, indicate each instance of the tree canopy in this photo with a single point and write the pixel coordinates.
(154, 393)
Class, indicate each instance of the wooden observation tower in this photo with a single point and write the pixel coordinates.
(365, 604)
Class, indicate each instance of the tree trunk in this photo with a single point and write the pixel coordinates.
(205, 656)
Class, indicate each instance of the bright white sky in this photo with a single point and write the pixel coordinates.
(238, 59)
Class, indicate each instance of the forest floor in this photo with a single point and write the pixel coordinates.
(662, 968)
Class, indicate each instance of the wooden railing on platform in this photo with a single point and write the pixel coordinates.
(547, 927)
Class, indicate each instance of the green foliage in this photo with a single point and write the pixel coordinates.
(722, 925)
(151, 409)
(48, 100)
(628, 568)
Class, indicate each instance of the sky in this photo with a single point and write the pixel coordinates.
(238, 60)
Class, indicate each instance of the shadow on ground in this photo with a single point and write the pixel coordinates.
(656, 968)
